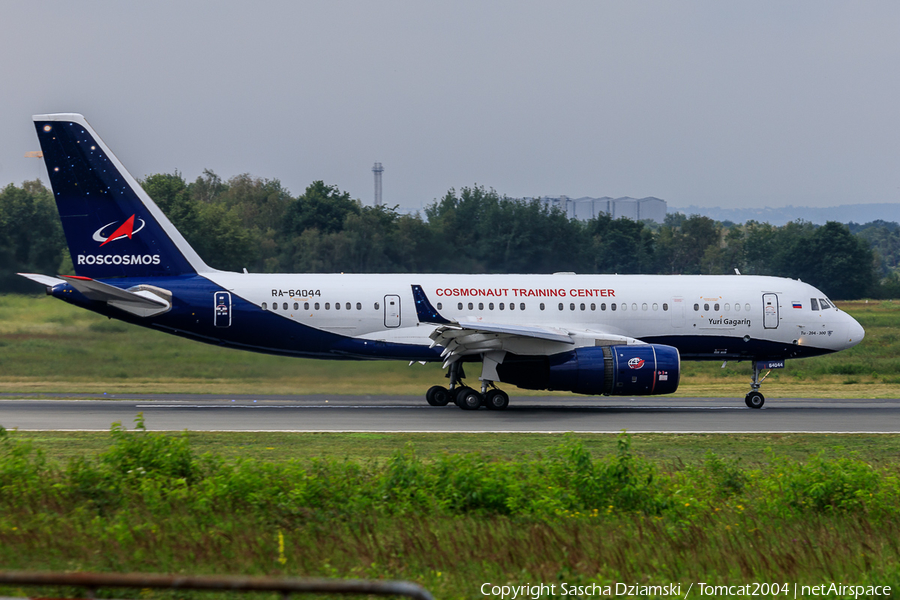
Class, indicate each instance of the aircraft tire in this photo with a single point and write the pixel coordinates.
(496, 400)
(754, 400)
(437, 396)
(469, 399)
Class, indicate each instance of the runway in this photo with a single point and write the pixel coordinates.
(172, 412)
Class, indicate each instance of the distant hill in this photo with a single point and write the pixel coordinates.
(846, 213)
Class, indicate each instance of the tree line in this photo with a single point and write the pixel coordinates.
(253, 223)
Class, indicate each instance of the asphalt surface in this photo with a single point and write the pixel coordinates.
(173, 412)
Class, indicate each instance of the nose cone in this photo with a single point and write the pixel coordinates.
(855, 332)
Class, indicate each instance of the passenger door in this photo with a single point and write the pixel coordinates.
(770, 311)
(677, 312)
(392, 311)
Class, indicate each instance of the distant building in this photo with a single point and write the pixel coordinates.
(585, 209)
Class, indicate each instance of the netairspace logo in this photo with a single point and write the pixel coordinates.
(700, 589)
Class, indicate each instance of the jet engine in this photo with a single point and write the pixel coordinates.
(638, 370)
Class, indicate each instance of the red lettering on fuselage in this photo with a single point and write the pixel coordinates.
(525, 292)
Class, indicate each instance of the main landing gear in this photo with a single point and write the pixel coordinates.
(465, 397)
(754, 398)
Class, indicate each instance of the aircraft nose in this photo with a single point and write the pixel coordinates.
(855, 332)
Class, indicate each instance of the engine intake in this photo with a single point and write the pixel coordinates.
(639, 370)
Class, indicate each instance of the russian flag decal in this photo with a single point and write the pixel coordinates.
(796, 305)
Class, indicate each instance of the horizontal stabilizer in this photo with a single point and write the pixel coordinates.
(142, 300)
(42, 279)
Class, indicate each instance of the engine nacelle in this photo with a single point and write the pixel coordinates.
(638, 370)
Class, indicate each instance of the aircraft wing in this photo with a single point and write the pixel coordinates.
(466, 337)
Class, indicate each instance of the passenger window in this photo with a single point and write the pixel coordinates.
(634, 306)
(593, 306)
(377, 306)
(560, 306)
(665, 306)
(317, 306)
(737, 307)
(459, 306)
(716, 307)
(521, 306)
(705, 307)
(814, 304)
(512, 306)
(337, 306)
(727, 307)
(624, 306)
(264, 306)
(644, 306)
(612, 306)
(490, 306)
(481, 306)
(571, 306)
(542, 306)
(582, 307)
(306, 306)
(296, 306)
(327, 306)
(347, 306)
(603, 306)
(747, 307)
(471, 306)
(440, 306)
(501, 306)
(359, 306)
(655, 306)
(696, 307)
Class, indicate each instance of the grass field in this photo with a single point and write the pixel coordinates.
(49, 346)
(552, 509)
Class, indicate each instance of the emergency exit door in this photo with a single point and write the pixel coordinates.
(770, 311)
(222, 303)
(392, 311)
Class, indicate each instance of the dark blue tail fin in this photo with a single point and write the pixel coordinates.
(112, 226)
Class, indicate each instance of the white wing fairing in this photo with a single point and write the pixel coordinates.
(593, 334)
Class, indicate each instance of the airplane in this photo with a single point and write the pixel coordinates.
(589, 334)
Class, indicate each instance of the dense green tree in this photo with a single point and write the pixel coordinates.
(31, 236)
(323, 207)
(620, 246)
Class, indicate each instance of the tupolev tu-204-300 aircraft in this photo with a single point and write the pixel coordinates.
(589, 334)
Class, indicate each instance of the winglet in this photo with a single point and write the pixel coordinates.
(424, 310)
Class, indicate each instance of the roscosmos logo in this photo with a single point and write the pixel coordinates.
(125, 230)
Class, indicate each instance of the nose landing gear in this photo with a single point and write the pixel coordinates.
(754, 398)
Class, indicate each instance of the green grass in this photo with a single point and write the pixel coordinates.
(574, 509)
(675, 450)
(49, 346)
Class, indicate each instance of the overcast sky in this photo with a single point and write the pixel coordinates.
(707, 103)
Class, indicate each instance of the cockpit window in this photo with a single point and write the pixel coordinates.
(824, 303)
(814, 304)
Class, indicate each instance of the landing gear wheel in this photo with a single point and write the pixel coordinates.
(496, 399)
(468, 399)
(755, 400)
(437, 396)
